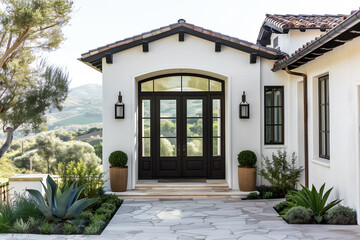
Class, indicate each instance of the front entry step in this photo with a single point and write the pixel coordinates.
(181, 189)
(178, 185)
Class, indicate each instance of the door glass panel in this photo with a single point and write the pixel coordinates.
(145, 108)
(215, 86)
(167, 108)
(216, 108)
(268, 98)
(147, 86)
(216, 127)
(194, 147)
(216, 146)
(277, 97)
(277, 115)
(168, 84)
(191, 83)
(146, 143)
(146, 127)
(167, 147)
(194, 127)
(194, 108)
(168, 127)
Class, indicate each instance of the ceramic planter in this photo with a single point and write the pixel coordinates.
(247, 178)
(118, 179)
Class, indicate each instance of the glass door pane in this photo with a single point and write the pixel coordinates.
(168, 132)
(194, 127)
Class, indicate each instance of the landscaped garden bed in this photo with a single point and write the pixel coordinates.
(62, 211)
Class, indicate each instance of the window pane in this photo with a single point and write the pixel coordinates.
(277, 115)
(322, 118)
(145, 108)
(277, 134)
(268, 94)
(328, 118)
(147, 86)
(194, 127)
(167, 108)
(167, 147)
(322, 91)
(168, 127)
(216, 146)
(268, 118)
(146, 143)
(215, 86)
(323, 144)
(268, 134)
(216, 108)
(277, 97)
(194, 147)
(328, 144)
(168, 84)
(191, 83)
(216, 127)
(194, 107)
(146, 127)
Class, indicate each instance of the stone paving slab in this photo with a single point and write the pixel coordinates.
(202, 218)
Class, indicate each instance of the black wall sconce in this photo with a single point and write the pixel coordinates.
(119, 108)
(244, 108)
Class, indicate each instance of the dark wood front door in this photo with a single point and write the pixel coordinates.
(181, 136)
(181, 132)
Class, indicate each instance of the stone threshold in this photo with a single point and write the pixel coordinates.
(179, 194)
(209, 184)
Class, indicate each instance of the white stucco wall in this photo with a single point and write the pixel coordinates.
(192, 55)
(342, 171)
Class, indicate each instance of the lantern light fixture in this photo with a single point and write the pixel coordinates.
(244, 108)
(119, 108)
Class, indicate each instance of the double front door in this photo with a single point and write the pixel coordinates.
(182, 132)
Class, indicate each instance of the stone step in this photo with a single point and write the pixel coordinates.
(182, 186)
(179, 194)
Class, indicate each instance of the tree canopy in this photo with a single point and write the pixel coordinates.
(28, 87)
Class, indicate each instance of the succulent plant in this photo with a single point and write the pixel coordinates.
(62, 204)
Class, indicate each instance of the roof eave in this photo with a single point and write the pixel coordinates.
(350, 22)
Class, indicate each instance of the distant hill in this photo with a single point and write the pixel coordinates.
(83, 106)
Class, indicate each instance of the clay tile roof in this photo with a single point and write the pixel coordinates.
(304, 21)
(292, 60)
(93, 57)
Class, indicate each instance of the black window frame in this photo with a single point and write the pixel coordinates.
(326, 108)
(272, 124)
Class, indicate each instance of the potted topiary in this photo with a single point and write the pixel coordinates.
(118, 171)
(247, 170)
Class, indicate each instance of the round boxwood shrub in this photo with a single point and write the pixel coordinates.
(341, 215)
(247, 158)
(118, 159)
(299, 215)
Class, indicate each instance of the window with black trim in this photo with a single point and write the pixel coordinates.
(324, 126)
(274, 115)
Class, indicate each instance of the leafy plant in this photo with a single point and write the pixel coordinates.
(4, 224)
(247, 158)
(314, 200)
(341, 215)
(86, 215)
(93, 228)
(279, 172)
(25, 208)
(81, 173)
(47, 228)
(70, 228)
(21, 226)
(108, 205)
(61, 205)
(104, 211)
(298, 215)
(34, 222)
(118, 159)
(267, 195)
(7, 213)
(253, 195)
(280, 206)
(98, 217)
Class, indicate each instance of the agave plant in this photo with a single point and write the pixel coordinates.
(313, 199)
(62, 203)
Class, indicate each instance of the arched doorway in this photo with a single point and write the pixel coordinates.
(181, 127)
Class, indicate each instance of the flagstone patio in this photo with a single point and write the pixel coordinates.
(204, 218)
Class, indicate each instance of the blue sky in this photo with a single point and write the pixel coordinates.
(99, 22)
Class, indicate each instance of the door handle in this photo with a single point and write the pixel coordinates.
(184, 150)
